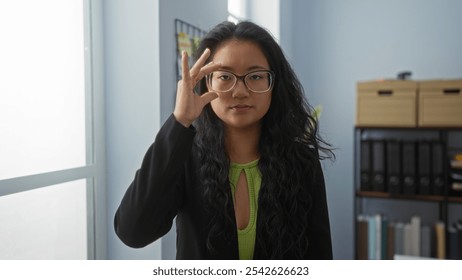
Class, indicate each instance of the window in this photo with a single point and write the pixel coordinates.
(236, 10)
(42, 113)
(51, 164)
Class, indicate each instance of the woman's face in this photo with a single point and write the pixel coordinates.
(240, 107)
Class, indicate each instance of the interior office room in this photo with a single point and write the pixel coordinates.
(126, 90)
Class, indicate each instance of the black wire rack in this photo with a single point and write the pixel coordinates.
(187, 37)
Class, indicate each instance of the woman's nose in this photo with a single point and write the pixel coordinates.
(240, 90)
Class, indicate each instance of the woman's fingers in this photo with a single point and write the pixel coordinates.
(195, 70)
(208, 97)
(198, 71)
(188, 105)
(207, 69)
(185, 66)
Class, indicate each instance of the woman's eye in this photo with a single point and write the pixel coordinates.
(224, 77)
(255, 77)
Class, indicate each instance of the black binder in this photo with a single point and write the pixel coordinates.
(366, 175)
(424, 167)
(394, 166)
(378, 166)
(438, 182)
(409, 167)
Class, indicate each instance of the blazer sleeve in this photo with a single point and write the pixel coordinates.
(320, 243)
(152, 200)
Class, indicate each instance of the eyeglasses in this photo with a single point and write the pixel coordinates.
(256, 81)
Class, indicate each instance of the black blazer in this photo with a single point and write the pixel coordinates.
(167, 185)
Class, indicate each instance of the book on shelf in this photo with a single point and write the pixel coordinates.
(425, 241)
(371, 238)
(384, 238)
(362, 238)
(415, 236)
(378, 238)
(407, 242)
(380, 223)
(440, 233)
(391, 241)
(458, 226)
(399, 238)
(453, 243)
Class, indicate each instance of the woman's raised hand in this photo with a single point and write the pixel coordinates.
(189, 105)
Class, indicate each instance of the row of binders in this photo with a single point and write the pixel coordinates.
(380, 239)
(402, 167)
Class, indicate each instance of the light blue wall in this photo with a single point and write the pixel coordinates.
(140, 85)
(132, 103)
(336, 43)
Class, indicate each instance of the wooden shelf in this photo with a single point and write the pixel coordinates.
(409, 127)
(372, 194)
(386, 195)
(456, 199)
(444, 204)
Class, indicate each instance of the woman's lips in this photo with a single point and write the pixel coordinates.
(241, 107)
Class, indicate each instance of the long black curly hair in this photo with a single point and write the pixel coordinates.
(284, 165)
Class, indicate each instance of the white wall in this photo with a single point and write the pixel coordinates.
(140, 92)
(336, 43)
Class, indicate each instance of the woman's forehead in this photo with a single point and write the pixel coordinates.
(240, 55)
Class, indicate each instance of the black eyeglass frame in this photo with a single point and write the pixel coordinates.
(242, 78)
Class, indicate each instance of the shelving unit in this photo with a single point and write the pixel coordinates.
(441, 202)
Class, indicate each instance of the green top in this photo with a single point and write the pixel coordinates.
(246, 236)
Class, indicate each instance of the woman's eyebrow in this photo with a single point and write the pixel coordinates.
(254, 67)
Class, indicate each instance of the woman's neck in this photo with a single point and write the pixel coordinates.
(242, 145)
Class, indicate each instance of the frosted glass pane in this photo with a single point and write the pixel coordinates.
(46, 223)
(42, 86)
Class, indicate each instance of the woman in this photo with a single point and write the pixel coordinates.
(238, 163)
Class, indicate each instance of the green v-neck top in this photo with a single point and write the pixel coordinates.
(246, 236)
